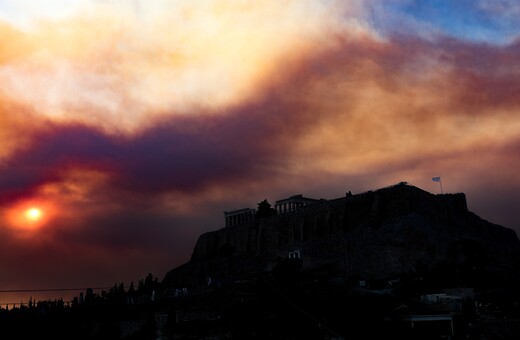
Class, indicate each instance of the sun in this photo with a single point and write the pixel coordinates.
(29, 216)
(33, 214)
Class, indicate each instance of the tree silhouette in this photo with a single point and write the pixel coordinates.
(131, 289)
(265, 210)
(148, 284)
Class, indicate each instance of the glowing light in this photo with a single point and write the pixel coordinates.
(33, 214)
(27, 217)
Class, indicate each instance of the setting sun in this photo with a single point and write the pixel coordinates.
(33, 214)
(30, 215)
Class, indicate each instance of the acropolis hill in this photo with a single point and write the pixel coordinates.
(375, 235)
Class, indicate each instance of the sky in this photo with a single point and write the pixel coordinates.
(128, 127)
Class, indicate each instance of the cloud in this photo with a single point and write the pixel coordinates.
(363, 104)
(492, 22)
(138, 142)
(109, 65)
(506, 8)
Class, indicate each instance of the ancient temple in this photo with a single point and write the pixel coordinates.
(293, 203)
(239, 217)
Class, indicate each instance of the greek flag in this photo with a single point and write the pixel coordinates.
(436, 179)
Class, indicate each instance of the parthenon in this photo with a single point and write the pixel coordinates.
(239, 217)
(293, 203)
(283, 206)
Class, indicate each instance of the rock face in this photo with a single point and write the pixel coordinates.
(376, 235)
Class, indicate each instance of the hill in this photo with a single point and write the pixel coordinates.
(375, 236)
(394, 262)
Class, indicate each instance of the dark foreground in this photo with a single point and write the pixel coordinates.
(284, 304)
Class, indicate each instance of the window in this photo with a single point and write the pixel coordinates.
(294, 254)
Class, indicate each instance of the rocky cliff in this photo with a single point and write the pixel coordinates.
(376, 235)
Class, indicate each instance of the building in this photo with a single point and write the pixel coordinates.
(293, 203)
(247, 215)
(239, 217)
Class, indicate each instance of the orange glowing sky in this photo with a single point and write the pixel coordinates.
(132, 125)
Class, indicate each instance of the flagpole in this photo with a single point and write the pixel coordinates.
(438, 179)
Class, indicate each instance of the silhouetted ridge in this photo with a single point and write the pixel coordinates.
(375, 235)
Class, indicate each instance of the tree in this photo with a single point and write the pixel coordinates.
(131, 289)
(265, 210)
(148, 284)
